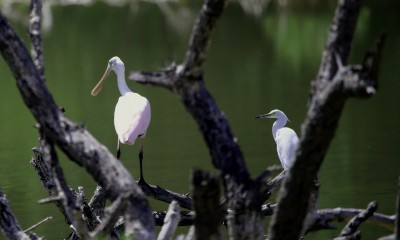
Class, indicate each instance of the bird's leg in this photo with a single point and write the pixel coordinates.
(141, 179)
(118, 150)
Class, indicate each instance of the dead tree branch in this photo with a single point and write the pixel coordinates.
(351, 228)
(397, 222)
(167, 196)
(35, 22)
(209, 214)
(325, 217)
(339, 42)
(186, 80)
(171, 221)
(75, 141)
(9, 224)
(396, 234)
(69, 200)
(162, 78)
(329, 93)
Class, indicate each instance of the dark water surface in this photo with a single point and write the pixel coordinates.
(254, 65)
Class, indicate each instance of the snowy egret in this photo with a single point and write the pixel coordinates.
(132, 113)
(286, 139)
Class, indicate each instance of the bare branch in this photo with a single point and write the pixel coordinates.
(209, 214)
(167, 196)
(325, 217)
(69, 200)
(339, 42)
(47, 180)
(186, 218)
(396, 234)
(98, 202)
(356, 221)
(354, 236)
(269, 187)
(9, 224)
(193, 64)
(38, 224)
(162, 78)
(111, 216)
(35, 22)
(76, 142)
(170, 222)
(319, 127)
(397, 222)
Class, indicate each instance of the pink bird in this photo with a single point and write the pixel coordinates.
(132, 112)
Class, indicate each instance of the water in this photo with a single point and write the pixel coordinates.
(254, 65)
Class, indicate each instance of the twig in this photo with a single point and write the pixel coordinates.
(170, 222)
(50, 199)
(37, 224)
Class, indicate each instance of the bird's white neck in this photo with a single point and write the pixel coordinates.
(122, 86)
(278, 124)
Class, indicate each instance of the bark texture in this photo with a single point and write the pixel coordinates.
(75, 141)
(334, 84)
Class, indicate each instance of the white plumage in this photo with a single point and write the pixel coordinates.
(132, 113)
(131, 117)
(286, 139)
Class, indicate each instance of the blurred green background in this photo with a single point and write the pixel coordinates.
(258, 61)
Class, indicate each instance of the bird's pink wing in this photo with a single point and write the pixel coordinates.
(132, 117)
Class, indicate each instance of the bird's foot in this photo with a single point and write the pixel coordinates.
(146, 187)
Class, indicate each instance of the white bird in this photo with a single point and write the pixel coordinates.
(286, 139)
(132, 112)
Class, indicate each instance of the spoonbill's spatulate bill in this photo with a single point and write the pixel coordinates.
(286, 139)
(132, 112)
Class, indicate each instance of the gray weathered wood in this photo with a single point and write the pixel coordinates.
(171, 221)
(75, 141)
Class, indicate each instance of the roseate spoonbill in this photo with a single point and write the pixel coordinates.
(132, 113)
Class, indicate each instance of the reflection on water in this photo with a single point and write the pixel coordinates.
(254, 65)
